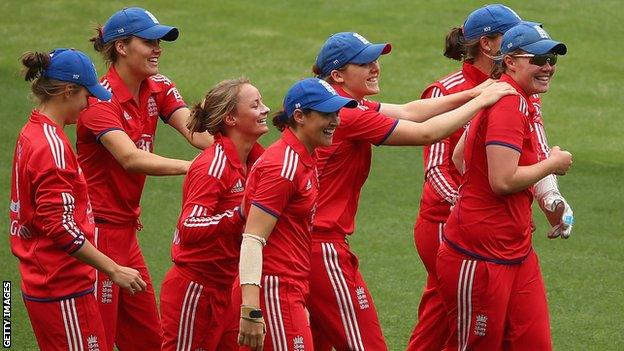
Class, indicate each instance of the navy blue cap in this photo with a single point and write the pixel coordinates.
(138, 22)
(348, 47)
(532, 38)
(73, 66)
(314, 94)
(489, 19)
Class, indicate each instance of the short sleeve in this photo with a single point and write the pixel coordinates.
(273, 191)
(366, 124)
(169, 98)
(505, 124)
(100, 118)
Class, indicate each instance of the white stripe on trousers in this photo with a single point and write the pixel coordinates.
(343, 297)
(187, 316)
(464, 302)
(72, 326)
(274, 313)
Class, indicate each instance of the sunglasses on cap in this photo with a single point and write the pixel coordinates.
(540, 60)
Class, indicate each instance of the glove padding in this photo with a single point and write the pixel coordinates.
(555, 207)
(559, 215)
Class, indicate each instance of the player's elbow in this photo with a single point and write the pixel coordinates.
(130, 161)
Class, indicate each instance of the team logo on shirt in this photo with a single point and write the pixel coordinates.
(298, 344)
(480, 325)
(238, 187)
(152, 108)
(92, 343)
(362, 299)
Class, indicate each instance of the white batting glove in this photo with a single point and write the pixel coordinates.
(559, 214)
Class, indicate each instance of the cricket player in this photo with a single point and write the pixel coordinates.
(115, 145)
(50, 214)
(195, 298)
(488, 273)
(280, 200)
(342, 312)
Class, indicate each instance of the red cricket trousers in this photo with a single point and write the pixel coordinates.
(131, 321)
(493, 306)
(68, 324)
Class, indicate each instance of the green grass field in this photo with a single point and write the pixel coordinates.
(274, 43)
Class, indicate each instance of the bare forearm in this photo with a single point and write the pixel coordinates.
(141, 161)
(522, 178)
(251, 295)
(422, 110)
(93, 257)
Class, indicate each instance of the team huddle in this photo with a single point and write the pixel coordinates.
(261, 258)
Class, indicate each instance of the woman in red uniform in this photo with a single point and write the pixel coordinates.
(488, 272)
(196, 292)
(342, 311)
(51, 219)
(475, 43)
(115, 144)
(281, 199)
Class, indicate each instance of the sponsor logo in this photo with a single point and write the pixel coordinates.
(298, 344)
(328, 87)
(92, 343)
(362, 299)
(20, 230)
(176, 93)
(107, 291)
(238, 187)
(145, 143)
(361, 38)
(480, 325)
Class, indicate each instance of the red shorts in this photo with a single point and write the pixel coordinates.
(342, 312)
(196, 316)
(283, 305)
(432, 330)
(493, 306)
(131, 321)
(68, 324)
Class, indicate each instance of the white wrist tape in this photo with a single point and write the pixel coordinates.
(250, 266)
(546, 191)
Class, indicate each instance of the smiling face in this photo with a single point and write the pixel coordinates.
(315, 128)
(250, 117)
(359, 80)
(531, 78)
(140, 56)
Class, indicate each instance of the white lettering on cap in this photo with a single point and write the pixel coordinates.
(328, 87)
(487, 29)
(361, 38)
(76, 76)
(542, 33)
(297, 105)
(152, 17)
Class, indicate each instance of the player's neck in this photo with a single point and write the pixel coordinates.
(243, 147)
(483, 64)
(130, 79)
(54, 111)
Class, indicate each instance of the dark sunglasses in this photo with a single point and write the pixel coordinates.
(540, 60)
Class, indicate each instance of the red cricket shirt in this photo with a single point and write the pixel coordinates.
(284, 183)
(50, 213)
(206, 245)
(344, 166)
(116, 193)
(483, 224)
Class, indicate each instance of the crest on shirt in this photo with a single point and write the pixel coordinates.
(362, 299)
(152, 108)
(107, 291)
(480, 325)
(238, 187)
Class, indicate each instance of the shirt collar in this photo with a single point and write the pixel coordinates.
(291, 139)
(507, 78)
(38, 117)
(474, 75)
(232, 154)
(119, 87)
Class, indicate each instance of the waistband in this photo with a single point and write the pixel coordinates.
(455, 247)
(104, 223)
(54, 299)
(321, 236)
(189, 274)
